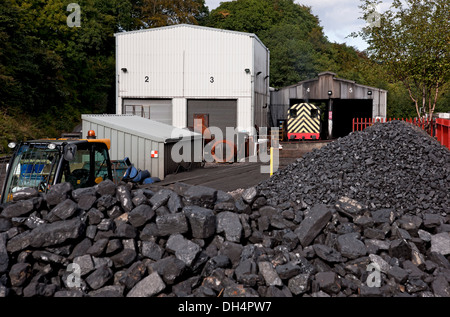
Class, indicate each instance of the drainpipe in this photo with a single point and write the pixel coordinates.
(330, 118)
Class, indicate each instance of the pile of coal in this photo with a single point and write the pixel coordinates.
(193, 241)
(389, 165)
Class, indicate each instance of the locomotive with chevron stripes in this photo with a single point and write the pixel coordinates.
(303, 122)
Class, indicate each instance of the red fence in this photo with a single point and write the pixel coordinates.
(360, 124)
(439, 127)
(442, 133)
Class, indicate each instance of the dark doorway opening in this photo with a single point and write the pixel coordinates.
(344, 110)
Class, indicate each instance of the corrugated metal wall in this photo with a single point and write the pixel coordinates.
(348, 99)
(215, 63)
(179, 112)
(196, 156)
(136, 138)
(317, 89)
(261, 87)
(190, 62)
(155, 109)
(222, 113)
(137, 148)
(244, 117)
(184, 61)
(153, 62)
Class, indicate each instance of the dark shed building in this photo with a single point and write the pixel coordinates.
(340, 100)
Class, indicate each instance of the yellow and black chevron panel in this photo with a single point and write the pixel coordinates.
(303, 122)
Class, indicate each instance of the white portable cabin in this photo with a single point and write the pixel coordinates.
(147, 143)
(169, 74)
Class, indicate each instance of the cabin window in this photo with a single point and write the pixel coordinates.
(293, 113)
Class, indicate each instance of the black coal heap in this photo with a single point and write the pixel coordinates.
(367, 215)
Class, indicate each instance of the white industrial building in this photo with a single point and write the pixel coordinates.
(172, 73)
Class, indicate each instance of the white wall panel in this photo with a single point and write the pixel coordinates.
(191, 62)
(185, 61)
(261, 67)
(244, 114)
(154, 63)
(215, 63)
(179, 112)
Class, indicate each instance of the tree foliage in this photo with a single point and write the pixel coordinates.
(156, 13)
(298, 47)
(53, 72)
(300, 50)
(285, 27)
(412, 40)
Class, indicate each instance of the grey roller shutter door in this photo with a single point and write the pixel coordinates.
(222, 113)
(156, 109)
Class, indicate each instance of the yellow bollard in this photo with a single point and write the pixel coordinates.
(271, 161)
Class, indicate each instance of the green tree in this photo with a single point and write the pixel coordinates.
(30, 74)
(298, 47)
(292, 58)
(290, 31)
(156, 13)
(412, 41)
(52, 72)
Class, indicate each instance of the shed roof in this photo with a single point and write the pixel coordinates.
(191, 26)
(325, 86)
(334, 78)
(145, 128)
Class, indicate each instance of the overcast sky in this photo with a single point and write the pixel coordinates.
(339, 18)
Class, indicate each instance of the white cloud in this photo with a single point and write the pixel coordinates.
(339, 18)
(212, 4)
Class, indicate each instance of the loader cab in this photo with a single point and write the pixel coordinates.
(43, 163)
(88, 166)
